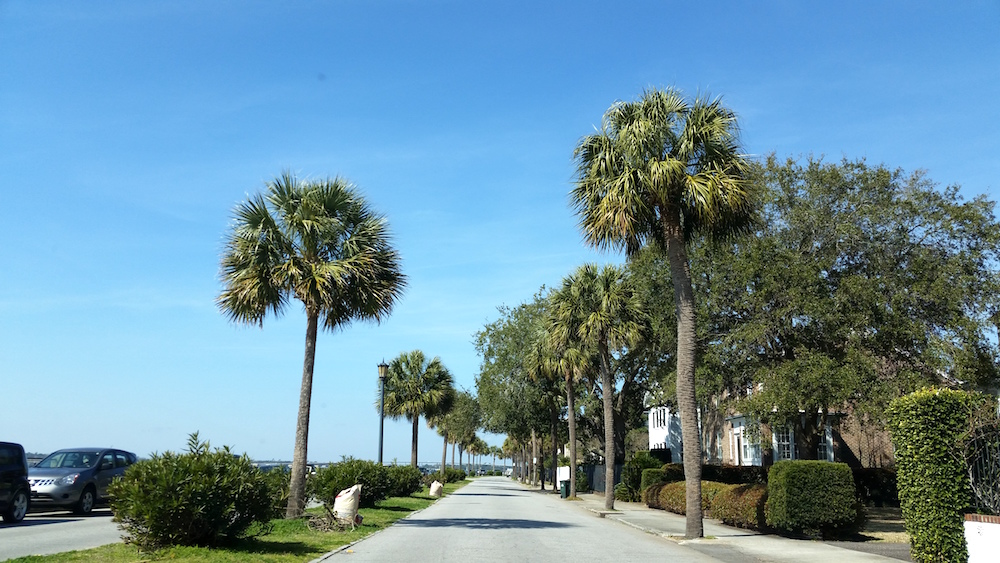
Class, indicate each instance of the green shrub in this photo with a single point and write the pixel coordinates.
(812, 497)
(933, 485)
(451, 475)
(672, 497)
(278, 483)
(330, 480)
(734, 474)
(651, 477)
(673, 472)
(623, 493)
(710, 490)
(198, 498)
(582, 484)
(632, 475)
(404, 480)
(651, 495)
(741, 506)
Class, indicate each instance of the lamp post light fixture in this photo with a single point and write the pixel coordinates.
(383, 371)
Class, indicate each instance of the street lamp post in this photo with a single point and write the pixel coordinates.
(383, 370)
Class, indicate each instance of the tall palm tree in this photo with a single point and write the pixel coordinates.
(441, 421)
(321, 244)
(566, 357)
(607, 313)
(416, 387)
(664, 169)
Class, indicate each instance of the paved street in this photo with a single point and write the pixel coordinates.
(496, 519)
(55, 532)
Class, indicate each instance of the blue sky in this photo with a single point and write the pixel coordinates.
(130, 130)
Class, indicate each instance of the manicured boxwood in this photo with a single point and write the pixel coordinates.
(741, 506)
(812, 497)
(672, 497)
(934, 488)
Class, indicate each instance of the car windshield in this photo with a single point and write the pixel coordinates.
(79, 459)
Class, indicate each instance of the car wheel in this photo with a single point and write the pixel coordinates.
(18, 508)
(86, 502)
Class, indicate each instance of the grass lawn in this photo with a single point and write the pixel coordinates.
(290, 541)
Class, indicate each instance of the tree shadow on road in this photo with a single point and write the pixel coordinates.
(484, 523)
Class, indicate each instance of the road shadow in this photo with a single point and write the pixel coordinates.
(484, 523)
(43, 518)
(483, 495)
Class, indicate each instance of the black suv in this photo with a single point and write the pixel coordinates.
(15, 495)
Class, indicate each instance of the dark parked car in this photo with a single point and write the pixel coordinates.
(14, 492)
(77, 478)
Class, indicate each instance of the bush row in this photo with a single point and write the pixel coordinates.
(802, 497)
(451, 475)
(874, 486)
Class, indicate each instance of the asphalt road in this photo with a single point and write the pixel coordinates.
(495, 519)
(55, 532)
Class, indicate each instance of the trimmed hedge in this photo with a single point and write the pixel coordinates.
(741, 506)
(652, 477)
(812, 497)
(673, 496)
(934, 488)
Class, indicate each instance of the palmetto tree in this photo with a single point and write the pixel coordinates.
(607, 317)
(321, 244)
(417, 387)
(564, 354)
(665, 169)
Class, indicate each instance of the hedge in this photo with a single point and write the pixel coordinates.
(812, 497)
(741, 506)
(933, 485)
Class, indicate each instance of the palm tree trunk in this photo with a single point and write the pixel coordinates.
(680, 272)
(534, 458)
(453, 445)
(571, 418)
(297, 486)
(444, 455)
(413, 440)
(607, 392)
(555, 448)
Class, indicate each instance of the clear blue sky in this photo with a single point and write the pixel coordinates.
(130, 130)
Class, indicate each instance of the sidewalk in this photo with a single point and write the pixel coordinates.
(738, 545)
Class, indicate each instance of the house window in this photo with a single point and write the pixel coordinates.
(743, 446)
(825, 449)
(784, 443)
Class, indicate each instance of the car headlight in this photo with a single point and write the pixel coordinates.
(67, 480)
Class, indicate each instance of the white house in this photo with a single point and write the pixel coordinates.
(665, 431)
